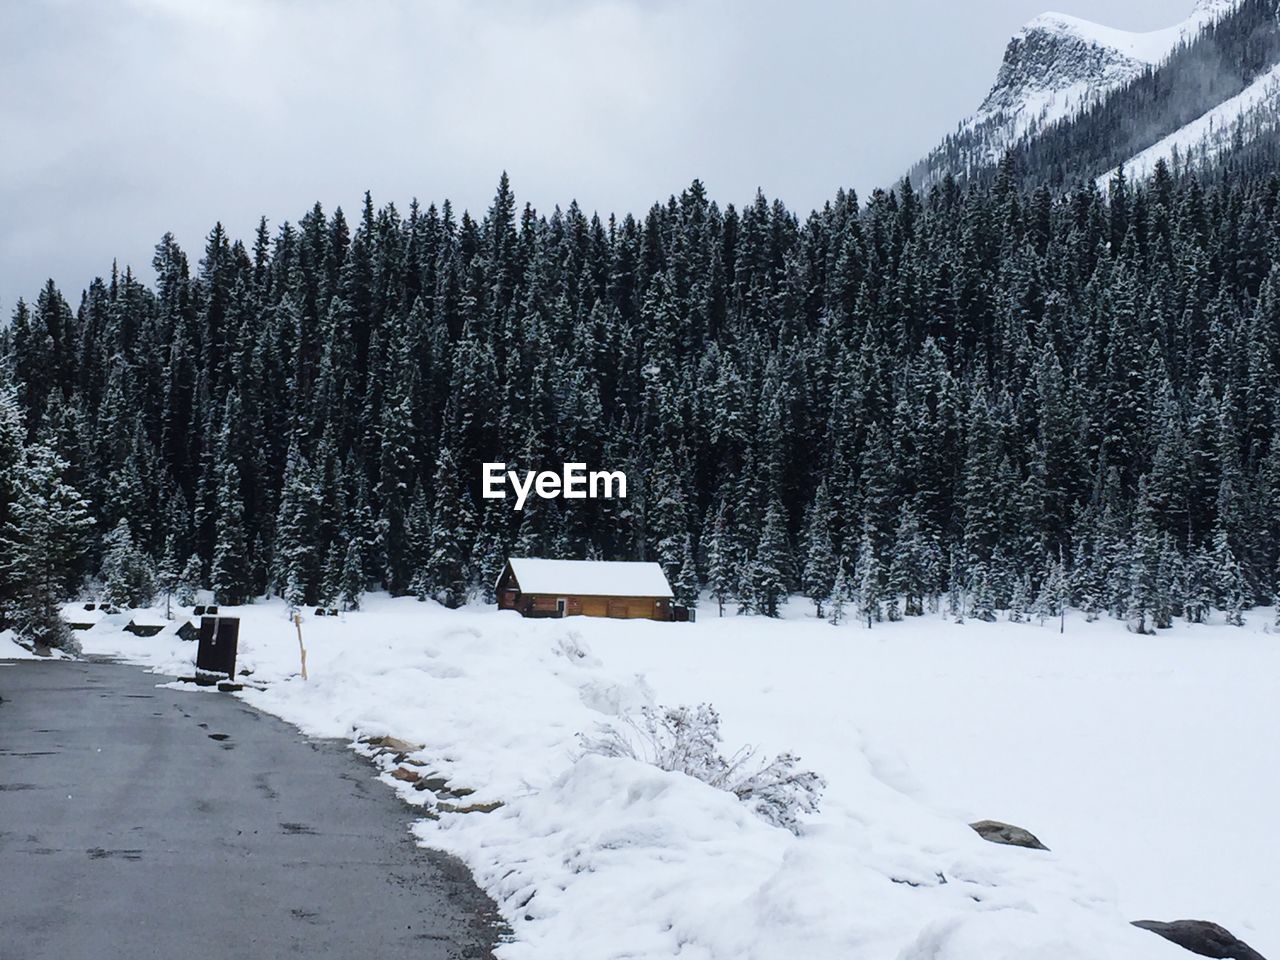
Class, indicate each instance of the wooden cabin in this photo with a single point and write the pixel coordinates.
(621, 590)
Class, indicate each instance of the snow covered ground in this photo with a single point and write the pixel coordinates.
(1147, 764)
(10, 649)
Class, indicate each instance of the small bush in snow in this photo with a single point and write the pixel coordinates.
(687, 740)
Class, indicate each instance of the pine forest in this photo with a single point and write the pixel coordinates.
(986, 400)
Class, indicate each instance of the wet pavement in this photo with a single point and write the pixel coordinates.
(138, 821)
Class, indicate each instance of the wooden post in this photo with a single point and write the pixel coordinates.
(297, 622)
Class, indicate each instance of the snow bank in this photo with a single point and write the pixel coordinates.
(10, 649)
(600, 857)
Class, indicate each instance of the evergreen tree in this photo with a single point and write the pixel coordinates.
(297, 566)
(487, 552)
(419, 531)
(1229, 581)
(820, 558)
(839, 594)
(1275, 600)
(128, 579)
(351, 583)
(720, 578)
(445, 576)
(167, 574)
(397, 465)
(685, 585)
(956, 600)
(229, 554)
(12, 460)
(1201, 594)
(330, 582)
(46, 534)
(668, 524)
(189, 581)
(1051, 600)
(1019, 600)
(914, 565)
(869, 576)
(771, 563)
(982, 603)
(1145, 600)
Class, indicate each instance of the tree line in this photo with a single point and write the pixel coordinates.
(981, 398)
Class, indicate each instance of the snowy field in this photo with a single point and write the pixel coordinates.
(1146, 764)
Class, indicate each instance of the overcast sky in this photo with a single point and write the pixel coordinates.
(120, 121)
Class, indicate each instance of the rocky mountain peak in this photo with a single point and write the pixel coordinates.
(1054, 67)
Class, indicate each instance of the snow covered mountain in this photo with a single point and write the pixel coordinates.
(1059, 66)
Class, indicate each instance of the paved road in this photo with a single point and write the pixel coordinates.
(138, 822)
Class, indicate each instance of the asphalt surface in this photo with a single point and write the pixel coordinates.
(138, 822)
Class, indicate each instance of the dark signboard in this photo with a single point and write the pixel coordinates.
(218, 639)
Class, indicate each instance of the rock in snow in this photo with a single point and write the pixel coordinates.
(393, 744)
(1202, 937)
(1007, 833)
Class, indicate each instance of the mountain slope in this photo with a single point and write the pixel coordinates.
(1096, 96)
(1248, 116)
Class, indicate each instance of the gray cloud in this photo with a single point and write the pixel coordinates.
(124, 120)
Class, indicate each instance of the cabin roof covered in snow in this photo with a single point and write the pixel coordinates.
(76, 613)
(590, 578)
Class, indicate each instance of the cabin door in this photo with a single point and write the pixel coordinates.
(560, 605)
